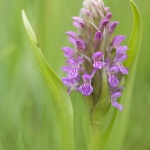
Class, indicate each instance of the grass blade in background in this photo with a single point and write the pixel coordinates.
(7, 51)
(117, 133)
(61, 100)
(20, 143)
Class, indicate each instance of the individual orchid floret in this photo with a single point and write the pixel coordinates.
(98, 36)
(80, 44)
(114, 69)
(72, 62)
(117, 105)
(72, 84)
(108, 16)
(120, 58)
(118, 40)
(68, 52)
(112, 26)
(116, 95)
(72, 72)
(72, 40)
(121, 50)
(86, 88)
(113, 81)
(103, 24)
(123, 69)
(71, 34)
(78, 23)
(73, 67)
(107, 9)
(80, 60)
(95, 51)
(98, 60)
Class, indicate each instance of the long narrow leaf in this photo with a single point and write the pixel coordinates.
(136, 36)
(60, 98)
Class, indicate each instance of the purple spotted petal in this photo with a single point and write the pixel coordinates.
(120, 59)
(98, 64)
(66, 69)
(121, 49)
(113, 81)
(77, 25)
(98, 55)
(80, 44)
(98, 36)
(86, 77)
(114, 69)
(108, 16)
(118, 40)
(97, 58)
(112, 26)
(79, 21)
(86, 89)
(123, 69)
(117, 105)
(103, 24)
(80, 60)
(73, 73)
(70, 82)
(72, 40)
(72, 34)
(68, 52)
(67, 82)
(116, 95)
(72, 62)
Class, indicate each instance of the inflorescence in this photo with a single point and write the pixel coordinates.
(95, 49)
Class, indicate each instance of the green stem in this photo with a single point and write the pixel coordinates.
(95, 137)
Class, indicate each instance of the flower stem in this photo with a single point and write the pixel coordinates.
(95, 137)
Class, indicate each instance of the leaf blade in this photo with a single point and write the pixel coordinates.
(60, 97)
(135, 40)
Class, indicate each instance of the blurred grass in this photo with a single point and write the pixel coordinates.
(27, 121)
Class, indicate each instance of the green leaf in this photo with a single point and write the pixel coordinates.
(114, 137)
(136, 36)
(61, 100)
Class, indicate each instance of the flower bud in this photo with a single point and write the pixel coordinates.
(112, 26)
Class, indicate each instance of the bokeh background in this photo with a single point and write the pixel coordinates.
(27, 118)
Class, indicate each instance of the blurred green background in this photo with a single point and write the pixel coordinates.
(27, 117)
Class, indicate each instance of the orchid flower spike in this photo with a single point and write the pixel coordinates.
(94, 48)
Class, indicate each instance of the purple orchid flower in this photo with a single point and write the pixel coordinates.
(94, 51)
